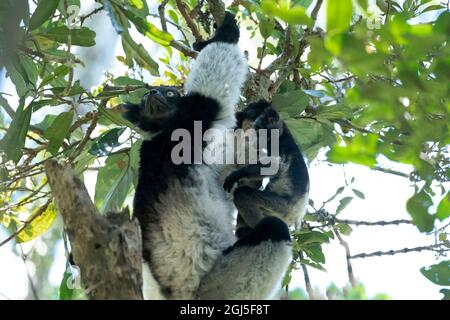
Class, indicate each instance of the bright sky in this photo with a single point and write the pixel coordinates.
(386, 196)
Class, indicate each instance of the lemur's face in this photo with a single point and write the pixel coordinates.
(160, 102)
(156, 107)
(246, 118)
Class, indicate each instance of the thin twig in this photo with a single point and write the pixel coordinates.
(30, 279)
(438, 247)
(351, 275)
(188, 52)
(95, 11)
(86, 138)
(374, 223)
(162, 14)
(190, 23)
(26, 223)
(217, 9)
(316, 10)
(308, 285)
(390, 171)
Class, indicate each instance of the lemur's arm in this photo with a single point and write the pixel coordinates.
(251, 171)
(220, 70)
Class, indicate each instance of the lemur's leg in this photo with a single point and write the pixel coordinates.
(253, 205)
(253, 267)
(227, 32)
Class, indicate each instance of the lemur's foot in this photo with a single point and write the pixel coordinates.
(227, 32)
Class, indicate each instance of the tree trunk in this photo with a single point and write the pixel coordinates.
(106, 248)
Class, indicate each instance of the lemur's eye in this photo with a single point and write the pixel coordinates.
(170, 94)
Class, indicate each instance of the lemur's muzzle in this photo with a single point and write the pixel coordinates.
(155, 102)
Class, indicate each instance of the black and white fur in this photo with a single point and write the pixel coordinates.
(286, 194)
(189, 246)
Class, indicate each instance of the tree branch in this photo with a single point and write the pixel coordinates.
(106, 248)
(316, 9)
(374, 223)
(351, 275)
(438, 247)
(191, 24)
(217, 9)
(308, 285)
(188, 52)
(162, 14)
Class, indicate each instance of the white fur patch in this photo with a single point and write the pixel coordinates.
(248, 272)
(194, 229)
(219, 73)
(150, 288)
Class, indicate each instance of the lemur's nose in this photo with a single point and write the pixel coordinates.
(154, 91)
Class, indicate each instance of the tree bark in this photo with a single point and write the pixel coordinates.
(106, 248)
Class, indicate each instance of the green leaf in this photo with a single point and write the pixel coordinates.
(30, 69)
(303, 3)
(343, 203)
(173, 15)
(339, 15)
(18, 76)
(140, 55)
(292, 102)
(5, 105)
(266, 26)
(149, 29)
(58, 131)
(283, 10)
(60, 71)
(83, 36)
(359, 194)
(68, 289)
(40, 223)
(287, 278)
(417, 207)
(338, 111)
(433, 7)
(310, 237)
(446, 293)
(113, 183)
(14, 140)
(313, 264)
(312, 135)
(137, 3)
(44, 10)
(134, 96)
(47, 122)
(36, 105)
(443, 210)
(438, 273)
(103, 145)
(315, 253)
(361, 149)
(345, 229)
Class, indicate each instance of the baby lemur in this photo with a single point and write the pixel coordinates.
(286, 194)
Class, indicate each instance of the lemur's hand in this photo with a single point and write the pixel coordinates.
(227, 32)
(230, 181)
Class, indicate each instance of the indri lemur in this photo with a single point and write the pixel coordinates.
(189, 246)
(286, 194)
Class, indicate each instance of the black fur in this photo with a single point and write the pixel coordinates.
(228, 32)
(269, 228)
(159, 115)
(263, 116)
